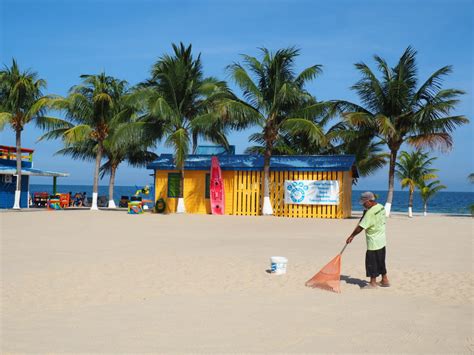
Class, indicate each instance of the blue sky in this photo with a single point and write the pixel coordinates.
(63, 39)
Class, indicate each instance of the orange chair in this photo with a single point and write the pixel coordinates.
(64, 200)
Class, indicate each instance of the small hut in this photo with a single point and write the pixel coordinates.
(8, 175)
(310, 186)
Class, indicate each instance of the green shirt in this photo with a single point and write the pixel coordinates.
(374, 224)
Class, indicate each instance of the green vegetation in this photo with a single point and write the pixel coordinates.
(413, 169)
(178, 105)
(21, 101)
(92, 110)
(396, 110)
(427, 191)
(275, 99)
(118, 146)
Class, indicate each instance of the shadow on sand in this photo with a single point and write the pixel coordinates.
(354, 281)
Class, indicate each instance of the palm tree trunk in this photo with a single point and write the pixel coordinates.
(113, 170)
(425, 209)
(391, 180)
(181, 208)
(195, 142)
(95, 190)
(16, 204)
(267, 209)
(410, 203)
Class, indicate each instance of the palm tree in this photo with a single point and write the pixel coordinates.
(413, 169)
(92, 109)
(427, 191)
(275, 99)
(119, 147)
(21, 101)
(118, 150)
(180, 106)
(397, 111)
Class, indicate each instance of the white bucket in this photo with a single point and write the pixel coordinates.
(278, 265)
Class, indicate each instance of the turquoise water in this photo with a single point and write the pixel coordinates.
(443, 202)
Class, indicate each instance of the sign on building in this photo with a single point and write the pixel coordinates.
(312, 192)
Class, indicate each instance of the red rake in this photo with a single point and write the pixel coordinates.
(328, 278)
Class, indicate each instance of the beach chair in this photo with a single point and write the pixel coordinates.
(64, 200)
(40, 199)
(102, 201)
(123, 201)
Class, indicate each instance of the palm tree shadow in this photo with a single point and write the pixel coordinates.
(354, 281)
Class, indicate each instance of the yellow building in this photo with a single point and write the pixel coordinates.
(300, 186)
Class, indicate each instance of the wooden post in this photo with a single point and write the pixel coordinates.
(55, 184)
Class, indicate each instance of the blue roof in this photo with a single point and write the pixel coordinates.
(255, 162)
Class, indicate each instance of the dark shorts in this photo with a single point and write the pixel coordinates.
(375, 262)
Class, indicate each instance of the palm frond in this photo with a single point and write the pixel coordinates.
(179, 140)
(307, 127)
(77, 134)
(5, 118)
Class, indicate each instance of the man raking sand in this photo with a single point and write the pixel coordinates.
(373, 222)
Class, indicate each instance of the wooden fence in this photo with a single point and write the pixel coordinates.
(248, 194)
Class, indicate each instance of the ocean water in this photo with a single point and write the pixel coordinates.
(442, 202)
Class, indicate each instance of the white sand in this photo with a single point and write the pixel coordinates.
(81, 281)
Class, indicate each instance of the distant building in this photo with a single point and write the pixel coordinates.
(8, 175)
(300, 186)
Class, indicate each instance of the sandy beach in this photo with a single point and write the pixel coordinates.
(107, 282)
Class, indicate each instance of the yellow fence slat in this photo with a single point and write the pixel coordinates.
(239, 193)
(254, 193)
(272, 191)
(341, 195)
(281, 193)
(248, 192)
(236, 192)
(251, 202)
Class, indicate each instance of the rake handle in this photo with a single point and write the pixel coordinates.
(344, 248)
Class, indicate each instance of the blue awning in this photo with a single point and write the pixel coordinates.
(8, 170)
(255, 162)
